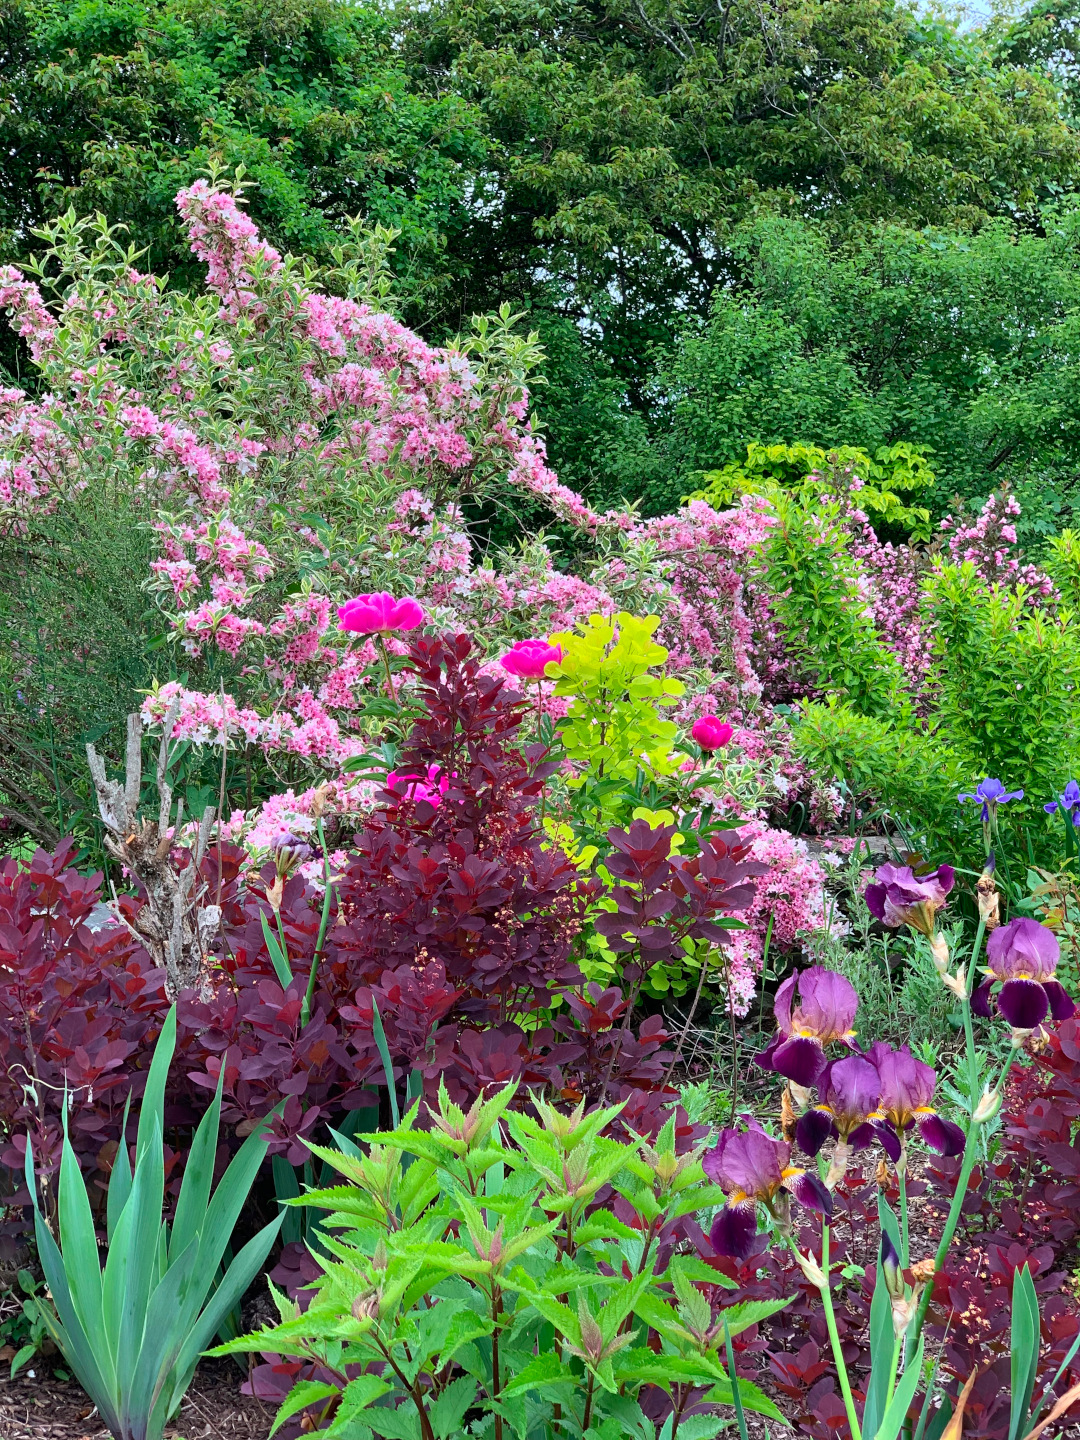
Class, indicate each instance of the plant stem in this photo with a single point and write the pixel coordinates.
(736, 1397)
(588, 1401)
(305, 1008)
(892, 1371)
(834, 1339)
(905, 1249)
(381, 643)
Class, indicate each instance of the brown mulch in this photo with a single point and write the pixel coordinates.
(48, 1409)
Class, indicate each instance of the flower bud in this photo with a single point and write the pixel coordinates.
(987, 896)
(902, 1312)
(811, 1269)
(957, 983)
(890, 1267)
(987, 1108)
(939, 949)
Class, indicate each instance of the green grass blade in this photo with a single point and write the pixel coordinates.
(153, 1101)
(119, 1176)
(163, 1338)
(223, 1210)
(384, 1056)
(65, 1328)
(903, 1395)
(243, 1270)
(80, 1251)
(1025, 1349)
(142, 1238)
(198, 1177)
(277, 955)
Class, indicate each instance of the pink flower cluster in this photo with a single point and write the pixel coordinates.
(988, 543)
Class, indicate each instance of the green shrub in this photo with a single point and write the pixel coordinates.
(472, 1266)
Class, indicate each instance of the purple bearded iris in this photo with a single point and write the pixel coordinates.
(1069, 801)
(752, 1169)
(850, 1092)
(907, 1087)
(990, 793)
(1023, 955)
(901, 897)
(824, 1012)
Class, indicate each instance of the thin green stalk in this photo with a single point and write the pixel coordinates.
(971, 1150)
(381, 643)
(305, 1009)
(834, 1338)
(901, 1175)
(736, 1397)
(892, 1372)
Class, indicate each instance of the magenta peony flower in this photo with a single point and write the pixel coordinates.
(529, 659)
(752, 1168)
(907, 1087)
(380, 614)
(710, 732)
(901, 897)
(418, 788)
(824, 1013)
(1023, 955)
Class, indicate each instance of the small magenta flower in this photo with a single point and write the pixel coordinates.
(752, 1168)
(529, 659)
(900, 897)
(710, 732)
(823, 1014)
(990, 793)
(850, 1094)
(418, 787)
(907, 1088)
(1069, 801)
(1023, 956)
(380, 614)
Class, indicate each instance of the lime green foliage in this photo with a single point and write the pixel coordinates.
(812, 580)
(1062, 563)
(525, 1304)
(1008, 675)
(891, 474)
(912, 773)
(613, 731)
(133, 1332)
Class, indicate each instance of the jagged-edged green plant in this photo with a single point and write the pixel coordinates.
(132, 1332)
(470, 1272)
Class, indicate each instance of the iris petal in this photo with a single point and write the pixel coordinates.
(812, 1130)
(1061, 1007)
(809, 1190)
(799, 1059)
(734, 1231)
(1024, 1003)
(874, 895)
(980, 1000)
(941, 1135)
(890, 1141)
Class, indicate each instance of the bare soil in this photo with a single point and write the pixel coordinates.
(45, 1408)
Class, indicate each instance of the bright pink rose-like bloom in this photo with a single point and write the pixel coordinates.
(529, 659)
(418, 787)
(711, 733)
(379, 614)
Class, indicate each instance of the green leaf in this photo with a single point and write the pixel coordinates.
(448, 1411)
(903, 1395)
(541, 1371)
(277, 956)
(302, 1394)
(400, 1424)
(1024, 1342)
